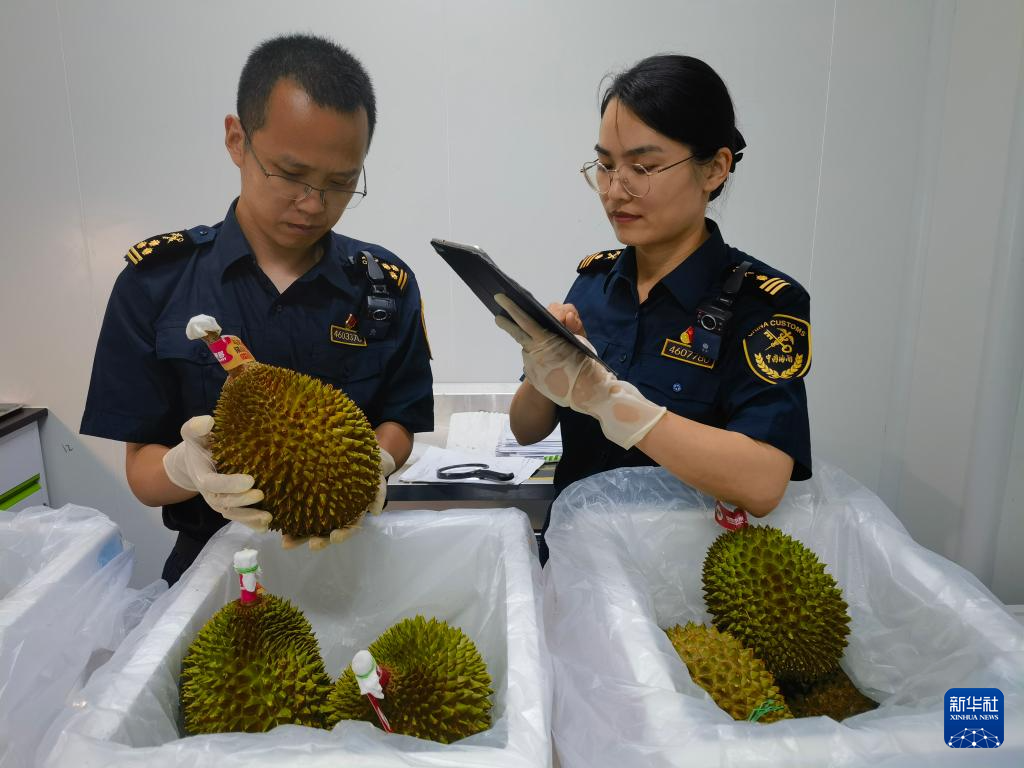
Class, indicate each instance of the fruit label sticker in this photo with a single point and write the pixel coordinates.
(231, 352)
(730, 517)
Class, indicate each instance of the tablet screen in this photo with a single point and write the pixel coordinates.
(486, 279)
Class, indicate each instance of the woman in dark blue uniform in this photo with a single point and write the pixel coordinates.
(709, 346)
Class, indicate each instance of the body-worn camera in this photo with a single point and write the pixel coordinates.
(714, 314)
(379, 309)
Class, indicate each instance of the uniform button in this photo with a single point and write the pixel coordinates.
(677, 387)
(277, 309)
(622, 357)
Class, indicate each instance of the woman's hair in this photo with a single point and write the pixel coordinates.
(683, 98)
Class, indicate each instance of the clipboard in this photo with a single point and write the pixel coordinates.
(486, 279)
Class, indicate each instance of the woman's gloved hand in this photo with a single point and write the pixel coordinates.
(387, 466)
(189, 465)
(569, 378)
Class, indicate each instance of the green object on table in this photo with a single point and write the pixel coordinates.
(21, 491)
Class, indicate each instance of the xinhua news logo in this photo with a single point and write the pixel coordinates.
(974, 718)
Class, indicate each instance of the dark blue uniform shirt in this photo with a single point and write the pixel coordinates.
(148, 378)
(755, 383)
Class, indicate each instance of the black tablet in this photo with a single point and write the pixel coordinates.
(485, 279)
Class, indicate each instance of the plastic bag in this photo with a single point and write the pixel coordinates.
(473, 569)
(63, 577)
(627, 549)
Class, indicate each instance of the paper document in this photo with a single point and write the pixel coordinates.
(476, 432)
(548, 449)
(434, 458)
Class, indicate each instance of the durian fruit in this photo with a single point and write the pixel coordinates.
(308, 447)
(833, 696)
(254, 665)
(438, 687)
(773, 595)
(734, 677)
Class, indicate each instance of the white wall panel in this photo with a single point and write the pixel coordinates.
(878, 137)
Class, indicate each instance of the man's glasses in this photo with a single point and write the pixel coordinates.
(634, 178)
(343, 196)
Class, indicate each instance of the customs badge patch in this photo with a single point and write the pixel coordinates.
(779, 349)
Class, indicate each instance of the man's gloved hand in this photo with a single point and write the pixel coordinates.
(189, 465)
(387, 466)
(570, 378)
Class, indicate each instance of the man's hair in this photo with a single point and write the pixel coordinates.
(333, 78)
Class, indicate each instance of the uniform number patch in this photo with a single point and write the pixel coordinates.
(341, 335)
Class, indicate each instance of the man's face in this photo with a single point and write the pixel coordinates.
(304, 142)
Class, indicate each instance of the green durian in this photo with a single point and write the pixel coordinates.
(309, 448)
(833, 696)
(253, 667)
(773, 595)
(734, 677)
(439, 688)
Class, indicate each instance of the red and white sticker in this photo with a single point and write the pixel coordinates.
(730, 517)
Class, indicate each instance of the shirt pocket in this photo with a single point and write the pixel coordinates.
(685, 389)
(356, 371)
(198, 375)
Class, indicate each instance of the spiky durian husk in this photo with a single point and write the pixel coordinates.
(252, 668)
(773, 594)
(734, 677)
(833, 696)
(307, 445)
(439, 687)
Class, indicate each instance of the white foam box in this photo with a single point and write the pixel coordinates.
(627, 551)
(472, 568)
(62, 574)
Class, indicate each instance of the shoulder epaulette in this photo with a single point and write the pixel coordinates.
(160, 247)
(396, 273)
(599, 259)
(775, 288)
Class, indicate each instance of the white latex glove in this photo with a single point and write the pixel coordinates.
(387, 466)
(567, 377)
(189, 465)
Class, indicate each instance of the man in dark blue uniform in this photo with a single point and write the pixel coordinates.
(274, 274)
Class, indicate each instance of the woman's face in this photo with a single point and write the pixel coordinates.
(676, 200)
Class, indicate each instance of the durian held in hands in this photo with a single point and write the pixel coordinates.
(433, 684)
(735, 678)
(773, 594)
(308, 447)
(256, 664)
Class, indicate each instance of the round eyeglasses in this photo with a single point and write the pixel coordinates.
(634, 178)
(338, 196)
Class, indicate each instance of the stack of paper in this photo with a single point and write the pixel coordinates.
(475, 432)
(548, 449)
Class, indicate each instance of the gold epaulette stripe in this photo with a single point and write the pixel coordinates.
(134, 255)
(774, 285)
(609, 255)
(399, 275)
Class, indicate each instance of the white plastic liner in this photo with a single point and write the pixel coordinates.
(627, 548)
(474, 569)
(63, 579)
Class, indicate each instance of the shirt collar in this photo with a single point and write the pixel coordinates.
(231, 246)
(689, 282)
